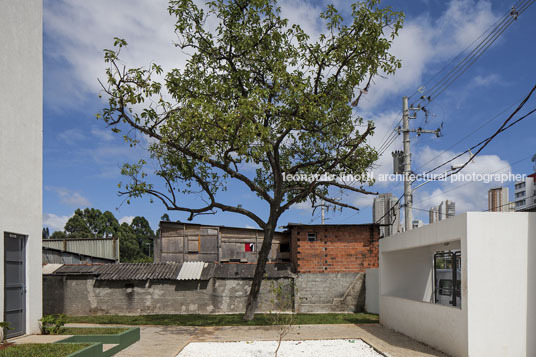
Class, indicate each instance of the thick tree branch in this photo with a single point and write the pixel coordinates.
(234, 174)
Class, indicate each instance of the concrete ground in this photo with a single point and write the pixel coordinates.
(170, 340)
(38, 338)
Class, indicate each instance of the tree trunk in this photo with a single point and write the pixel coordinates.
(251, 304)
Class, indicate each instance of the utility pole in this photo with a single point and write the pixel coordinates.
(322, 212)
(408, 196)
(408, 192)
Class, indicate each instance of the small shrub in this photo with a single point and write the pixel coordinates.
(4, 326)
(52, 324)
(282, 314)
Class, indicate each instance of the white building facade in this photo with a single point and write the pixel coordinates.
(499, 201)
(525, 194)
(446, 209)
(21, 141)
(496, 314)
(386, 212)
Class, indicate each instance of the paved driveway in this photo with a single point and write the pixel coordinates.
(169, 340)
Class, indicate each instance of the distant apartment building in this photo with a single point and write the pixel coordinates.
(446, 209)
(386, 213)
(498, 200)
(525, 194)
(417, 223)
(433, 215)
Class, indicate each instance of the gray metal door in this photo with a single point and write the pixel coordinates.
(15, 284)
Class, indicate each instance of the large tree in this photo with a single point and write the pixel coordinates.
(129, 248)
(91, 223)
(256, 92)
(144, 234)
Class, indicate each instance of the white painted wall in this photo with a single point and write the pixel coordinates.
(372, 290)
(441, 327)
(21, 141)
(531, 287)
(497, 279)
(498, 312)
(406, 286)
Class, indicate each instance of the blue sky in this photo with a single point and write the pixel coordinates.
(82, 158)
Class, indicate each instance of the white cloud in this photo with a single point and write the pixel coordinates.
(54, 221)
(102, 134)
(305, 206)
(72, 136)
(468, 195)
(424, 43)
(79, 31)
(126, 219)
(69, 197)
(304, 14)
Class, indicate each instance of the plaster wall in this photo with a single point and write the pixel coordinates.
(21, 138)
(406, 286)
(498, 312)
(372, 291)
(439, 326)
(498, 252)
(83, 295)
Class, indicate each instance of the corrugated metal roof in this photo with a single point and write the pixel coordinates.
(78, 269)
(138, 271)
(191, 270)
(124, 271)
(172, 271)
(100, 247)
(50, 268)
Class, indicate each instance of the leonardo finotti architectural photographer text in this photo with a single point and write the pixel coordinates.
(369, 176)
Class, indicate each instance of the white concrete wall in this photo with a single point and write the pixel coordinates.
(498, 312)
(497, 280)
(372, 290)
(21, 138)
(531, 287)
(406, 286)
(439, 326)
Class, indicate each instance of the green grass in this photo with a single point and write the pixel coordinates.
(42, 349)
(222, 320)
(93, 330)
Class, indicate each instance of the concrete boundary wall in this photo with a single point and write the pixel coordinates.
(372, 291)
(334, 292)
(84, 295)
(88, 295)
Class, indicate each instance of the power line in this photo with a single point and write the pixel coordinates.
(392, 139)
(498, 29)
(482, 144)
(506, 204)
(384, 146)
(459, 55)
(465, 137)
(389, 211)
(472, 182)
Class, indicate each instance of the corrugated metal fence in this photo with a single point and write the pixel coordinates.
(95, 247)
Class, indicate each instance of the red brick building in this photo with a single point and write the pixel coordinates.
(334, 248)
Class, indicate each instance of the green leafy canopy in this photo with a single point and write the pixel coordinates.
(256, 92)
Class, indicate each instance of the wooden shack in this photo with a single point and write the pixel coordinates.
(183, 242)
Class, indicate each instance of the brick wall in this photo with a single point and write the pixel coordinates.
(337, 249)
